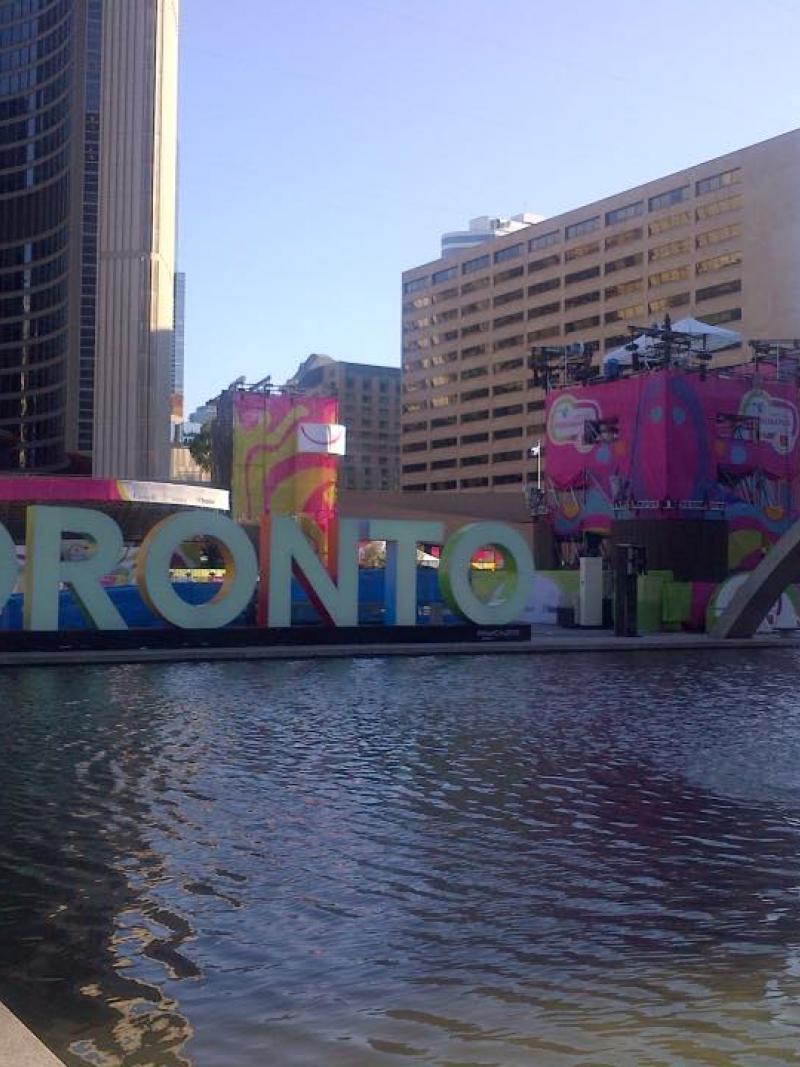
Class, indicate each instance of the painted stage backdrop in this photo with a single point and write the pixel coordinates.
(676, 443)
(285, 460)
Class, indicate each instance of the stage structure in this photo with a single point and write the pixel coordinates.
(697, 464)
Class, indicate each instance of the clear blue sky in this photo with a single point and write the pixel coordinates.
(326, 144)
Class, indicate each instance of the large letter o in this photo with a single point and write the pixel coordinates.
(454, 569)
(155, 555)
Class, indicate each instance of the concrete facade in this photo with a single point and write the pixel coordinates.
(136, 255)
(719, 241)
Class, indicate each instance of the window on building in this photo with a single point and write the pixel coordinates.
(664, 303)
(617, 240)
(508, 364)
(544, 287)
(672, 196)
(508, 298)
(509, 320)
(442, 421)
(579, 251)
(544, 334)
(509, 342)
(473, 265)
(444, 442)
(711, 292)
(511, 252)
(634, 311)
(476, 327)
(415, 427)
(442, 464)
(445, 294)
(506, 479)
(544, 240)
(445, 275)
(717, 236)
(662, 277)
(622, 214)
(443, 401)
(717, 318)
(513, 456)
(727, 259)
(581, 275)
(507, 275)
(718, 207)
(474, 372)
(474, 394)
(506, 410)
(672, 248)
(416, 284)
(669, 222)
(507, 434)
(475, 286)
(414, 446)
(718, 181)
(623, 289)
(536, 265)
(475, 306)
(472, 351)
(475, 461)
(474, 438)
(578, 229)
(633, 260)
(544, 309)
(441, 486)
(581, 299)
(507, 387)
(474, 483)
(414, 468)
(475, 416)
(582, 324)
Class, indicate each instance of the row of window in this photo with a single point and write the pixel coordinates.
(464, 483)
(667, 250)
(656, 227)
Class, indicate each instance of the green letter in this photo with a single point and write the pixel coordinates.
(454, 573)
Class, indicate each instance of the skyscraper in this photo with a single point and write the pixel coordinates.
(88, 115)
(179, 318)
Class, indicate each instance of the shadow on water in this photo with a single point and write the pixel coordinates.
(460, 862)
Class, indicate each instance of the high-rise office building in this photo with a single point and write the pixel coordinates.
(88, 94)
(719, 242)
(179, 319)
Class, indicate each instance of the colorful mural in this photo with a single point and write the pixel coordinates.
(285, 452)
(674, 442)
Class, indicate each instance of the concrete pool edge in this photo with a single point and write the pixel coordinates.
(539, 644)
(21, 1048)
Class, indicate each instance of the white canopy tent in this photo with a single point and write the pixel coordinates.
(716, 338)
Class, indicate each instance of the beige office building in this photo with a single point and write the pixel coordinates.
(719, 241)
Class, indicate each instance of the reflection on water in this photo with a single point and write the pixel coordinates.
(506, 861)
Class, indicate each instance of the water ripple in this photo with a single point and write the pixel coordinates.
(452, 862)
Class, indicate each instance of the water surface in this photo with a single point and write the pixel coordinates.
(493, 861)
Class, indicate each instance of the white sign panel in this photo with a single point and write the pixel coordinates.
(322, 438)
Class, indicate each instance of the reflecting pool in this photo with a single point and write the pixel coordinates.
(498, 860)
